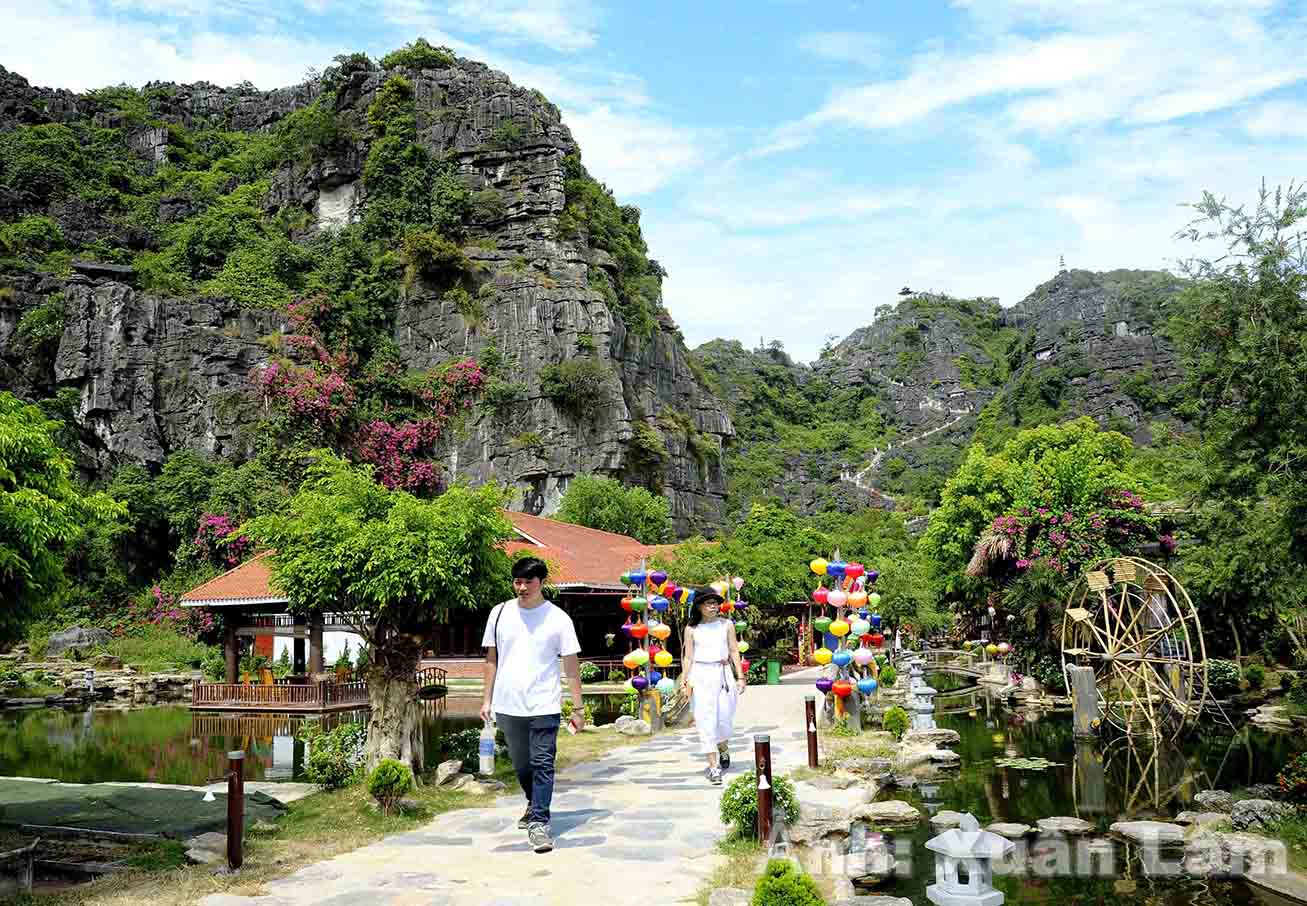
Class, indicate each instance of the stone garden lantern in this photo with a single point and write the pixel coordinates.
(923, 708)
(964, 872)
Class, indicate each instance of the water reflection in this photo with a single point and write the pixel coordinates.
(172, 744)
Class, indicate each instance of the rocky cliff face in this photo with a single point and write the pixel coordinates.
(943, 373)
(154, 374)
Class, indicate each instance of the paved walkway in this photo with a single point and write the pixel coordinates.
(641, 823)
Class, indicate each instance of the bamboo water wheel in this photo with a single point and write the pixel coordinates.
(1134, 624)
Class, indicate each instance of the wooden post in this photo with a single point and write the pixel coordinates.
(297, 646)
(762, 765)
(231, 649)
(1084, 700)
(235, 809)
(315, 643)
(810, 721)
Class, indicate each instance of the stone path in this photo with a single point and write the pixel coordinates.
(640, 823)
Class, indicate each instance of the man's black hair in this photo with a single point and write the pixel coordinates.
(530, 568)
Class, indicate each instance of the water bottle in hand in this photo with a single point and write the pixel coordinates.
(486, 749)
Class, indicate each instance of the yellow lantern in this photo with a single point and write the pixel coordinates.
(818, 566)
(822, 656)
(744, 646)
(991, 649)
(641, 657)
(660, 631)
(720, 587)
(663, 659)
(839, 629)
(629, 662)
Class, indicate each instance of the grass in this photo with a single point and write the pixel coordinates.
(745, 859)
(1293, 832)
(315, 828)
(156, 649)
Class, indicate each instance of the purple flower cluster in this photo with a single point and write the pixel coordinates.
(163, 607)
(211, 540)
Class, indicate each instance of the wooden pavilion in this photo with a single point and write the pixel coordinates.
(585, 566)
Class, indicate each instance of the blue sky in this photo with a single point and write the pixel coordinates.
(799, 162)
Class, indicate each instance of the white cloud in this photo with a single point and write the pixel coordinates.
(633, 153)
(561, 25)
(1277, 119)
(862, 48)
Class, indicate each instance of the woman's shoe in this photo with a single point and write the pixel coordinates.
(723, 758)
(715, 776)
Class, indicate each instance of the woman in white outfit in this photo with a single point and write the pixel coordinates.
(712, 665)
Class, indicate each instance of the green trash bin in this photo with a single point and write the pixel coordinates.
(773, 672)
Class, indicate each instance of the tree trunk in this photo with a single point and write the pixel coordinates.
(394, 731)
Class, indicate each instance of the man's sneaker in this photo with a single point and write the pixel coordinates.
(715, 776)
(525, 821)
(724, 758)
(538, 834)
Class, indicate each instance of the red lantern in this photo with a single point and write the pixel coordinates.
(744, 665)
(669, 591)
(853, 570)
(820, 594)
(866, 638)
(626, 604)
(639, 630)
(877, 639)
(842, 688)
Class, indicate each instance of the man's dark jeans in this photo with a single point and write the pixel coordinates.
(533, 744)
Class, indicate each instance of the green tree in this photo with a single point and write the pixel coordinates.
(606, 504)
(42, 513)
(347, 544)
(1241, 328)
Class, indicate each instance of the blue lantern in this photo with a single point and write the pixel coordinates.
(637, 577)
(659, 603)
(836, 569)
(842, 657)
(875, 620)
(867, 685)
(654, 677)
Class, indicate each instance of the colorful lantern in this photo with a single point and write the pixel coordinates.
(654, 677)
(857, 598)
(666, 686)
(738, 582)
(873, 599)
(744, 665)
(968, 645)
(842, 657)
(626, 578)
(872, 576)
(670, 589)
(836, 598)
(663, 659)
(660, 631)
(865, 639)
(991, 649)
(862, 657)
(860, 628)
(836, 568)
(639, 630)
(821, 624)
(1004, 647)
(659, 603)
(641, 657)
(639, 683)
(877, 639)
(866, 685)
(822, 656)
(638, 604)
(657, 578)
(839, 629)
(740, 626)
(875, 620)
(630, 662)
(853, 570)
(824, 685)
(818, 566)
(626, 628)
(741, 604)
(719, 586)
(819, 594)
(637, 576)
(743, 646)
(843, 688)
(626, 603)
(726, 607)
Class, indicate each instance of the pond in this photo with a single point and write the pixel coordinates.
(176, 745)
(1101, 782)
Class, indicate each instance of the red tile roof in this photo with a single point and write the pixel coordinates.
(577, 557)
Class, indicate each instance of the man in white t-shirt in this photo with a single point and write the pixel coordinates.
(525, 636)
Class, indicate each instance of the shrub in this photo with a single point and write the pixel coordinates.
(1256, 676)
(757, 675)
(1293, 779)
(1222, 677)
(740, 801)
(433, 256)
(465, 745)
(783, 884)
(335, 756)
(568, 708)
(895, 721)
(487, 205)
(42, 327)
(577, 385)
(888, 676)
(419, 55)
(1286, 682)
(32, 236)
(508, 137)
(590, 673)
(616, 676)
(389, 782)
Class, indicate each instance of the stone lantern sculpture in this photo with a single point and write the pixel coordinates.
(964, 871)
(923, 708)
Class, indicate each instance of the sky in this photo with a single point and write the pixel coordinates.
(797, 163)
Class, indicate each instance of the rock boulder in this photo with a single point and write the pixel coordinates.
(76, 639)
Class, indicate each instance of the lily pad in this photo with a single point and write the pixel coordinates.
(1026, 764)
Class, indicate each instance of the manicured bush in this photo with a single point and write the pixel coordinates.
(1256, 676)
(591, 673)
(740, 801)
(895, 721)
(888, 675)
(1222, 677)
(783, 884)
(1293, 779)
(389, 782)
(335, 756)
